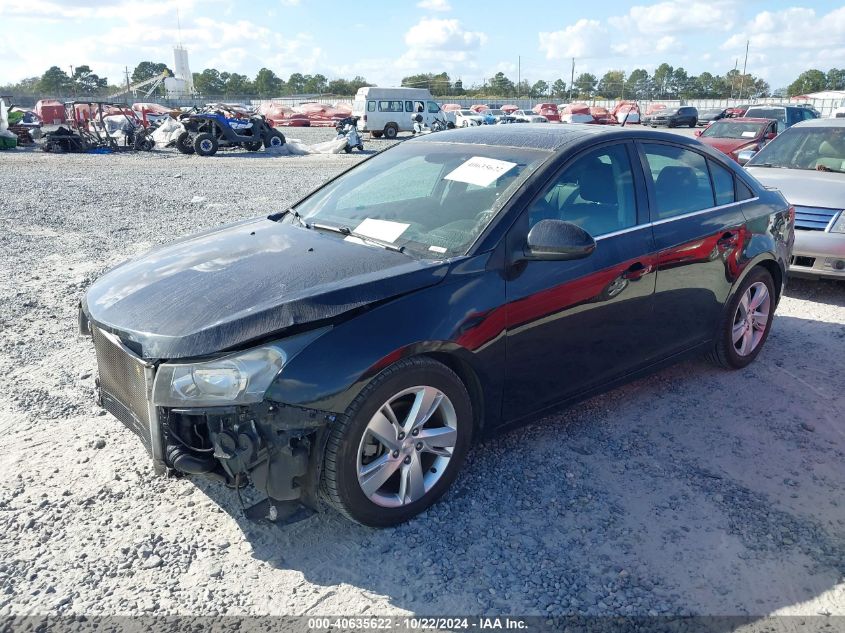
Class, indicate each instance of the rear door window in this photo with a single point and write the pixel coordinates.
(723, 183)
(680, 178)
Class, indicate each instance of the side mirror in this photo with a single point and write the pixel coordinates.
(558, 240)
(771, 135)
(698, 132)
(744, 156)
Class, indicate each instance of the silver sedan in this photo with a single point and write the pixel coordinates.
(807, 164)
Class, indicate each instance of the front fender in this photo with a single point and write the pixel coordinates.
(461, 318)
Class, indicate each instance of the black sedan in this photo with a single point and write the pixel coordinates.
(684, 116)
(707, 116)
(351, 348)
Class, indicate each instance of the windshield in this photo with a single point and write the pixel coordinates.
(730, 129)
(494, 112)
(430, 199)
(467, 113)
(821, 148)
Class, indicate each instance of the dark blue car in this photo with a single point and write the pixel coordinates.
(351, 348)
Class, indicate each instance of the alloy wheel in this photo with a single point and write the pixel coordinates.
(751, 319)
(406, 446)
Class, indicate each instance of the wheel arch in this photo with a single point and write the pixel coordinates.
(763, 260)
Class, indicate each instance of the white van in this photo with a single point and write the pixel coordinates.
(388, 111)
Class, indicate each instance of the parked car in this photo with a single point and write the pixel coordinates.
(500, 116)
(355, 345)
(548, 110)
(576, 113)
(684, 116)
(737, 110)
(526, 116)
(734, 136)
(807, 164)
(705, 117)
(786, 116)
(466, 118)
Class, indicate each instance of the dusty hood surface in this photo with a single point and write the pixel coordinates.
(222, 288)
(804, 187)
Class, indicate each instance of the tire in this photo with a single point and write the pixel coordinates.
(274, 139)
(253, 146)
(725, 352)
(450, 126)
(348, 148)
(376, 134)
(361, 148)
(350, 443)
(391, 131)
(693, 123)
(184, 143)
(205, 144)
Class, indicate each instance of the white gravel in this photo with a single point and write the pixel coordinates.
(693, 491)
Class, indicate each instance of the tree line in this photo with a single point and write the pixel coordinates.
(665, 82)
(55, 82)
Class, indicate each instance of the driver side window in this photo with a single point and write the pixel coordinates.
(596, 192)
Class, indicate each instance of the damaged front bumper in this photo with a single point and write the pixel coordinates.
(276, 447)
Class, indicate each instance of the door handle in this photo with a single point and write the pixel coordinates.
(728, 240)
(636, 271)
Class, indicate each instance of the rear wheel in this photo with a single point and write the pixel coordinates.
(253, 146)
(205, 144)
(747, 321)
(399, 445)
(184, 143)
(692, 123)
(391, 131)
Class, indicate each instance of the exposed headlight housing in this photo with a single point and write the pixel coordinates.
(239, 378)
(838, 225)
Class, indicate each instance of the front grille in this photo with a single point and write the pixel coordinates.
(800, 260)
(812, 218)
(124, 385)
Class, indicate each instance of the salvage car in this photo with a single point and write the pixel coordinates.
(467, 118)
(351, 348)
(527, 116)
(684, 116)
(786, 116)
(734, 136)
(705, 117)
(807, 164)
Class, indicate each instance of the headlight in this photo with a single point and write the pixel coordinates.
(839, 225)
(239, 378)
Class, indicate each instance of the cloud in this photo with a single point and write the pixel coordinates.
(678, 17)
(443, 35)
(795, 27)
(435, 5)
(585, 38)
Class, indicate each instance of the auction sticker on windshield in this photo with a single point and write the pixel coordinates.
(384, 230)
(480, 171)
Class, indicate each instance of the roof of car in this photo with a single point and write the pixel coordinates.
(832, 122)
(545, 136)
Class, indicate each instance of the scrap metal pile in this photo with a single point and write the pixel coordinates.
(99, 127)
(307, 114)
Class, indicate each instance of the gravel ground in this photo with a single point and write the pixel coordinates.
(694, 491)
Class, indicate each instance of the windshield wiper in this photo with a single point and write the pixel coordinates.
(767, 165)
(292, 212)
(345, 230)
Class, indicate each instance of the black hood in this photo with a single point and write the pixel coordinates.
(220, 289)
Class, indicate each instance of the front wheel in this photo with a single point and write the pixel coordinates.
(399, 445)
(252, 146)
(274, 139)
(205, 144)
(692, 123)
(747, 321)
(391, 131)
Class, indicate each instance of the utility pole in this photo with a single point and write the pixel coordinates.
(736, 64)
(519, 76)
(571, 79)
(744, 65)
(128, 90)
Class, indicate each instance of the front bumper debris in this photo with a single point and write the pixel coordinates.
(275, 446)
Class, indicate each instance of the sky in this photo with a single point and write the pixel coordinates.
(385, 41)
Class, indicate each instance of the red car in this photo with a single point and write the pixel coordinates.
(548, 110)
(731, 136)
